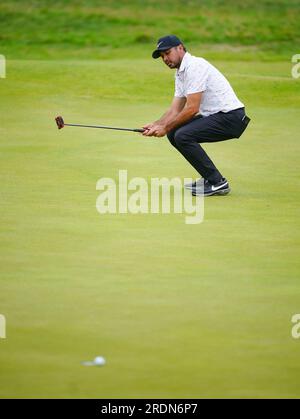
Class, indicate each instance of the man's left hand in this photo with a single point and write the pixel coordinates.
(156, 131)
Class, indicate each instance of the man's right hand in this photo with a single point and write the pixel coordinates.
(148, 126)
(156, 130)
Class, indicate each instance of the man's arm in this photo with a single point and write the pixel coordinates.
(189, 111)
(171, 114)
(172, 120)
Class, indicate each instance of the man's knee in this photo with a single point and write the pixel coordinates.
(171, 137)
(181, 138)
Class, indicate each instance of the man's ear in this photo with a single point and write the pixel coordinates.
(181, 48)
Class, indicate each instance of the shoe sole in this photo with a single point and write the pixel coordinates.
(220, 192)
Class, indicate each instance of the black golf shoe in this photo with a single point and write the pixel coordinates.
(193, 185)
(204, 188)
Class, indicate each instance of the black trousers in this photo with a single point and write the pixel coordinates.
(217, 127)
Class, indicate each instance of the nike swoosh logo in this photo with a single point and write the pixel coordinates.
(158, 45)
(215, 188)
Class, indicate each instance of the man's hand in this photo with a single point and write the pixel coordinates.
(148, 126)
(155, 130)
(158, 128)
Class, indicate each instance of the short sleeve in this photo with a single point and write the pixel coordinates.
(196, 78)
(178, 87)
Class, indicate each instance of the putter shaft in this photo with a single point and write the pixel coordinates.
(105, 127)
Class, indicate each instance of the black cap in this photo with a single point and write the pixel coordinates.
(165, 43)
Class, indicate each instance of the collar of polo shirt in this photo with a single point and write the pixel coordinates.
(184, 62)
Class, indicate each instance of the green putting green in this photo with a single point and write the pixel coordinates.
(177, 310)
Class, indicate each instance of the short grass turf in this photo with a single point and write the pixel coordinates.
(64, 28)
(177, 310)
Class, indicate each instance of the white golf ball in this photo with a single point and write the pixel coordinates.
(99, 360)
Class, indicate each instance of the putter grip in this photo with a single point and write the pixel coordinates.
(138, 130)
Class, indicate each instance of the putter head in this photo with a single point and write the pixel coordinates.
(59, 122)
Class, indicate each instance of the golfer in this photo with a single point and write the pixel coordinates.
(204, 109)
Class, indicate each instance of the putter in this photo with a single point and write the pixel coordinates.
(60, 124)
